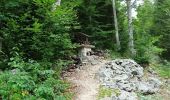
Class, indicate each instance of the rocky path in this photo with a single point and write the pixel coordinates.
(124, 77)
(84, 82)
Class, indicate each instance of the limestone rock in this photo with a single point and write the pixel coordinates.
(146, 88)
(126, 76)
(155, 82)
(127, 96)
(127, 86)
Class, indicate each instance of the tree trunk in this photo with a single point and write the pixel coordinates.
(130, 28)
(116, 25)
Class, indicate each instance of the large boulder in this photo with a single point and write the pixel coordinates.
(120, 69)
(126, 76)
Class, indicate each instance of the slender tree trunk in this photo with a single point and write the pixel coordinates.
(116, 25)
(130, 28)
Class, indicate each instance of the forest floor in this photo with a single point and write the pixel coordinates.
(84, 82)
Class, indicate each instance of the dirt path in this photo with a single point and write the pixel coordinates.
(84, 82)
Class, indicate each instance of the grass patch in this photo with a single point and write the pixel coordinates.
(163, 70)
(114, 55)
(104, 92)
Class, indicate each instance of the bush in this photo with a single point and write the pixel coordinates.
(163, 69)
(36, 40)
(35, 29)
(21, 85)
(28, 80)
(146, 49)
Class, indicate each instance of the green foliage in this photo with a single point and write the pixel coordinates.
(104, 92)
(35, 29)
(30, 80)
(162, 24)
(145, 39)
(114, 55)
(36, 41)
(146, 50)
(36, 46)
(96, 19)
(163, 69)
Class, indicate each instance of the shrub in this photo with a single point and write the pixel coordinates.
(35, 41)
(163, 69)
(146, 49)
(28, 80)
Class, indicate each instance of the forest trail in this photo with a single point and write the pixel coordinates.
(84, 81)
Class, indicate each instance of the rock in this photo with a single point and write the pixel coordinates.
(105, 74)
(126, 76)
(127, 86)
(127, 96)
(121, 77)
(149, 87)
(121, 69)
(127, 69)
(108, 73)
(95, 62)
(114, 98)
(115, 67)
(155, 82)
(167, 81)
(137, 71)
(110, 84)
(146, 88)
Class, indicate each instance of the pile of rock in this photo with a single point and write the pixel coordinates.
(125, 76)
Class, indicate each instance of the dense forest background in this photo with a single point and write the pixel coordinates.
(37, 41)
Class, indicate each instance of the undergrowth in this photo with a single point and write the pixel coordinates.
(32, 80)
(163, 69)
(104, 92)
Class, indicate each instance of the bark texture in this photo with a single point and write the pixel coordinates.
(130, 29)
(116, 25)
